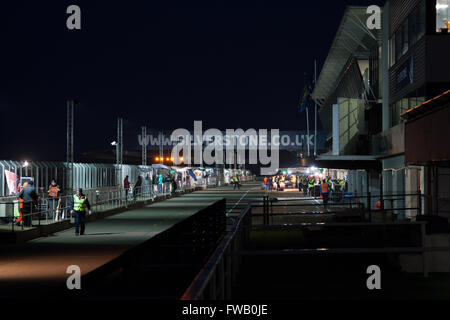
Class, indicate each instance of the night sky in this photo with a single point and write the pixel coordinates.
(160, 63)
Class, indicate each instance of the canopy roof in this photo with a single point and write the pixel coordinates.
(353, 38)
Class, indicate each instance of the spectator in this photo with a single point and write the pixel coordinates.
(160, 183)
(126, 186)
(53, 198)
(29, 197)
(137, 190)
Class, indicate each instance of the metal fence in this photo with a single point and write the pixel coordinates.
(217, 278)
(91, 176)
(48, 210)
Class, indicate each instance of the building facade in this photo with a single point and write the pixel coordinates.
(399, 67)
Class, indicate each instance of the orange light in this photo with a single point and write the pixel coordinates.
(171, 159)
(167, 159)
(157, 158)
(182, 159)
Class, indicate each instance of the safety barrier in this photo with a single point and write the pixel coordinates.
(95, 176)
(217, 278)
(50, 210)
(390, 207)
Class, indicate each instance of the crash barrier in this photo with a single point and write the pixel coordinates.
(163, 266)
(218, 276)
(391, 207)
(48, 210)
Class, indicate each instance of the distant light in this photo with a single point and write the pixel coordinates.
(114, 143)
(182, 159)
(171, 159)
(167, 159)
(26, 164)
(441, 6)
(157, 159)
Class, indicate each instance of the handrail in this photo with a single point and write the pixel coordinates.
(117, 198)
(198, 285)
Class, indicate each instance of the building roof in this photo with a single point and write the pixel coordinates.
(353, 38)
(428, 105)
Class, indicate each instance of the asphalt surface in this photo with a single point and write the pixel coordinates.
(36, 266)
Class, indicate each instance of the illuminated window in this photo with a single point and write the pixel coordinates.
(442, 16)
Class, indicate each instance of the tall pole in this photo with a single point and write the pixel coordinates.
(307, 128)
(119, 150)
(161, 150)
(144, 145)
(69, 153)
(315, 111)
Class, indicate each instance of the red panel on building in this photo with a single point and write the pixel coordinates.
(428, 137)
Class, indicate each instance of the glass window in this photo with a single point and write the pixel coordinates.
(396, 113)
(392, 50)
(421, 20)
(405, 37)
(413, 26)
(405, 106)
(398, 44)
(442, 16)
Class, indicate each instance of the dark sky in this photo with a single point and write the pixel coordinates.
(159, 63)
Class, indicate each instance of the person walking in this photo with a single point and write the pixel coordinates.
(126, 187)
(29, 197)
(160, 184)
(53, 198)
(266, 183)
(19, 215)
(137, 190)
(311, 186)
(236, 182)
(78, 207)
(324, 191)
(300, 183)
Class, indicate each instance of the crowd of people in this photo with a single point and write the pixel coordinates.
(313, 186)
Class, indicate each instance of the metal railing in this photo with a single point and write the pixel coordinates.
(392, 207)
(217, 277)
(48, 210)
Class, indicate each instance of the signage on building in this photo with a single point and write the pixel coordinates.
(405, 75)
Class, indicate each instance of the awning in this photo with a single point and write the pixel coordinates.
(160, 166)
(347, 162)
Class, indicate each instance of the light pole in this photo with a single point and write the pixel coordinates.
(69, 151)
(144, 145)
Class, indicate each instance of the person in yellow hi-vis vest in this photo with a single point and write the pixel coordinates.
(79, 205)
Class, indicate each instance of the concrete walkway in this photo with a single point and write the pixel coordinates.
(38, 265)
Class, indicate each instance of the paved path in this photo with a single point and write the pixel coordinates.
(42, 263)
